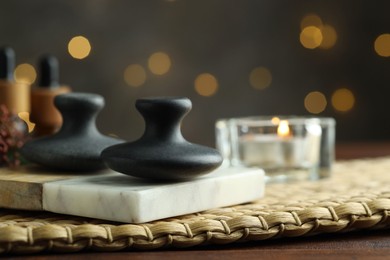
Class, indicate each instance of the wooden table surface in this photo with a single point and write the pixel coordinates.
(369, 244)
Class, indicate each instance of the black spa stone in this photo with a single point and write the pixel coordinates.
(162, 153)
(78, 144)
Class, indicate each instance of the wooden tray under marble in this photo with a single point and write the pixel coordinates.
(113, 196)
(22, 187)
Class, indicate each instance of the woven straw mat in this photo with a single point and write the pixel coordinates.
(357, 196)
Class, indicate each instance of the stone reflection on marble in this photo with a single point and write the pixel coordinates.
(119, 197)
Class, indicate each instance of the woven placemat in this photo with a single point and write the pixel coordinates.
(356, 197)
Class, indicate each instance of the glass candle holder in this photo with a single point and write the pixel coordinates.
(287, 148)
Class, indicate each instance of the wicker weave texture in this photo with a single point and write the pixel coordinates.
(356, 197)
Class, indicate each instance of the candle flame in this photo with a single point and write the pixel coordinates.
(283, 129)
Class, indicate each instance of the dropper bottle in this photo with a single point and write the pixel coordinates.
(43, 112)
(14, 95)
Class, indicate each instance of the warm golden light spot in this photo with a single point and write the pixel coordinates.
(206, 84)
(134, 75)
(382, 45)
(311, 37)
(283, 129)
(329, 37)
(260, 78)
(275, 120)
(315, 102)
(311, 20)
(343, 100)
(25, 73)
(25, 116)
(79, 47)
(159, 63)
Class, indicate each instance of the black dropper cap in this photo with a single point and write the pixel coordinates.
(7, 63)
(49, 72)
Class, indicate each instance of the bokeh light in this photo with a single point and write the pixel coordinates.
(25, 116)
(343, 100)
(260, 78)
(382, 45)
(134, 75)
(79, 47)
(159, 63)
(316, 34)
(311, 37)
(25, 73)
(315, 102)
(275, 120)
(311, 20)
(206, 84)
(329, 37)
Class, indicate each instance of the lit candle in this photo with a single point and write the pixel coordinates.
(261, 150)
(281, 150)
(292, 146)
(266, 150)
(291, 149)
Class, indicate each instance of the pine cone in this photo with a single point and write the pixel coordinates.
(13, 134)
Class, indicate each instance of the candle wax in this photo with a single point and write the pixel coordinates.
(272, 151)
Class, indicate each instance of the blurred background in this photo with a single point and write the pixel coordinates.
(231, 58)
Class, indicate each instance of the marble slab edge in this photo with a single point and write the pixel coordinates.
(117, 197)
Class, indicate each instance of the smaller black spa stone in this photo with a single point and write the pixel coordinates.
(162, 153)
(78, 144)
